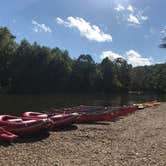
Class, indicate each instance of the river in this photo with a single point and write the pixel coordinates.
(17, 104)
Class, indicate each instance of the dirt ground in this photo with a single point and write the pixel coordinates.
(135, 140)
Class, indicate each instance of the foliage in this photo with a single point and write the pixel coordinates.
(7, 48)
(31, 68)
(149, 78)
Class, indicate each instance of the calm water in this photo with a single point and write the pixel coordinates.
(17, 104)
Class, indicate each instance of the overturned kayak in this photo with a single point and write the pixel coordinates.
(6, 135)
(58, 119)
(23, 126)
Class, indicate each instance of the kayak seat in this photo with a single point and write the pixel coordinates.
(15, 120)
(43, 116)
(29, 121)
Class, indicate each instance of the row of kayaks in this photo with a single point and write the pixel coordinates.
(30, 123)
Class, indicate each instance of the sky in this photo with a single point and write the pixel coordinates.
(130, 29)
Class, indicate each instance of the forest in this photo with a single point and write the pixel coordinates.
(32, 68)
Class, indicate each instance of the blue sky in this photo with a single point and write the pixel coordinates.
(131, 29)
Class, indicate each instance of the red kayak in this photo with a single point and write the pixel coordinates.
(23, 126)
(58, 119)
(123, 111)
(61, 119)
(5, 135)
(105, 115)
(35, 115)
(93, 113)
(79, 109)
(90, 117)
(64, 119)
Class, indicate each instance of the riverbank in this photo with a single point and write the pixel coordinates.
(137, 139)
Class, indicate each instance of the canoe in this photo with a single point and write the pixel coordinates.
(86, 113)
(90, 109)
(124, 111)
(105, 115)
(23, 126)
(84, 108)
(58, 119)
(5, 135)
(78, 109)
(99, 113)
(94, 116)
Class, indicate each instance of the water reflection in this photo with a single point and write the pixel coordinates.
(17, 104)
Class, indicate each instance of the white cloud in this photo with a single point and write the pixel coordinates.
(131, 56)
(135, 59)
(111, 55)
(130, 8)
(163, 32)
(143, 18)
(91, 32)
(133, 20)
(130, 15)
(137, 19)
(119, 8)
(59, 20)
(40, 27)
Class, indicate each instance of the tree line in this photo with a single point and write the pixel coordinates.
(32, 68)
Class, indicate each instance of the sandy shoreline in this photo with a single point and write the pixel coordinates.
(137, 139)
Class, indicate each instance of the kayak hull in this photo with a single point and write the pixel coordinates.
(107, 115)
(94, 117)
(58, 119)
(124, 111)
(8, 136)
(83, 114)
(64, 119)
(23, 126)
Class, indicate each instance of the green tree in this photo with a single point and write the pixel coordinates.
(7, 48)
(85, 74)
(59, 70)
(107, 70)
(123, 70)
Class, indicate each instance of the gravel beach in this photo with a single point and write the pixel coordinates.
(135, 140)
